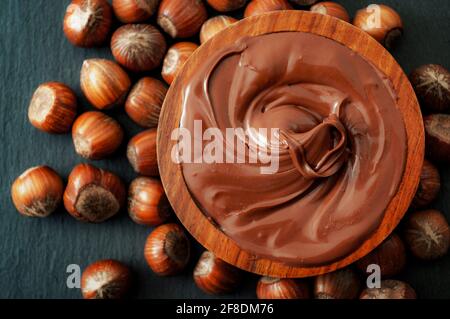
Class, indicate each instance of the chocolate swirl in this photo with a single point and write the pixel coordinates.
(341, 146)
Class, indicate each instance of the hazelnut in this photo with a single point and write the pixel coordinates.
(431, 82)
(93, 194)
(106, 279)
(437, 137)
(145, 101)
(226, 5)
(390, 289)
(381, 22)
(175, 59)
(256, 7)
(37, 192)
(104, 83)
(53, 108)
(429, 185)
(390, 256)
(340, 284)
(181, 18)
(214, 276)
(281, 288)
(141, 153)
(214, 25)
(96, 135)
(427, 234)
(138, 47)
(134, 11)
(304, 2)
(87, 22)
(167, 250)
(147, 202)
(332, 9)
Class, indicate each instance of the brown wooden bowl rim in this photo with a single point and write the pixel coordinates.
(201, 228)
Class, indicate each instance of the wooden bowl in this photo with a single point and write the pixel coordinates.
(357, 40)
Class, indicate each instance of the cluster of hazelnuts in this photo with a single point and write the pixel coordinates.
(95, 195)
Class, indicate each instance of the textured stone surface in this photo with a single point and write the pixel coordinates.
(35, 253)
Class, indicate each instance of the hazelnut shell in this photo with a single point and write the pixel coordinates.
(429, 186)
(106, 279)
(386, 30)
(147, 202)
(340, 284)
(93, 194)
(87, 23)
(96, 135)
(138, 47)
(104, 83)
(304, 2)
(390, 255)
(145, 101)
(427, 234)
(141, 153)
(332, 9)
(214, 276)
(256, 7)
(134, 11)
(226, 5)
(390, 289)
(175, 59)
(281, 288)
(181, 18)
(53, 108)
(437, 137)
(167, 250)
(214, 25)
(431, 82)
(37, 192)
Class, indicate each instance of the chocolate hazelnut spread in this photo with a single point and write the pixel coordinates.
(342, 146)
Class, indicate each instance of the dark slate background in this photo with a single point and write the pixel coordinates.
(34, 253)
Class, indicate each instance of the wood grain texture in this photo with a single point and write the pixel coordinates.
(171, 174)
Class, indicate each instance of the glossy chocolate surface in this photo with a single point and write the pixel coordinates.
(342, 146)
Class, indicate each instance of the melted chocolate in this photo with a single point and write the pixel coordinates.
(342, 146)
